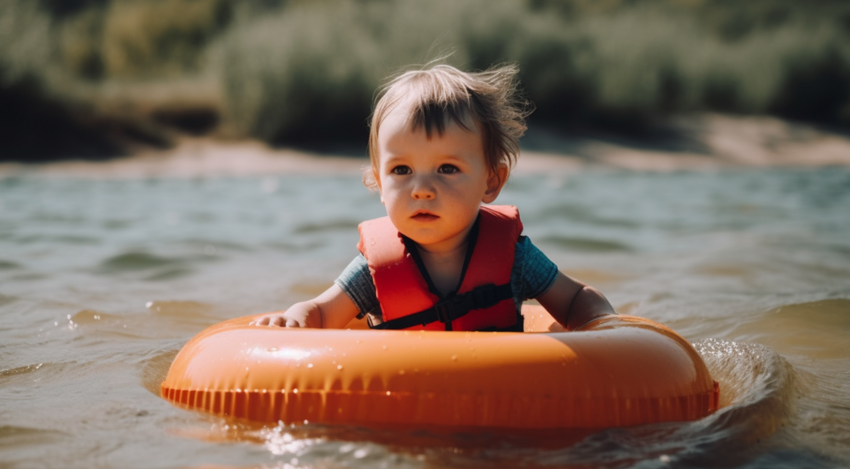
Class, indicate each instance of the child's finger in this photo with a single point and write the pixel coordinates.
(259, 322)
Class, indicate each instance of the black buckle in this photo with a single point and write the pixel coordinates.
(454, 307)
(443, 312)
(484, 296)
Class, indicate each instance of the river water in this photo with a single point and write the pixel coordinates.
(103, 279)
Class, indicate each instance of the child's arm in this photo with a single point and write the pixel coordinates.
(573, 303)
(333, 309)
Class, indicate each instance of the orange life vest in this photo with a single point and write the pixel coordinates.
(484, 300)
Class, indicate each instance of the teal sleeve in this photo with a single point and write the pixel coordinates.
(533, 273)
(356, 282)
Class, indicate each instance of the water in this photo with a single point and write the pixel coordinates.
(102, 281)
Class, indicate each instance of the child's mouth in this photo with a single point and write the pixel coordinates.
(424, 216)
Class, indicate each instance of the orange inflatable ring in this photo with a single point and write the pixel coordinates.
(616, 371)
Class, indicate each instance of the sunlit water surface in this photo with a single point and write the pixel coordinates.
(102, 281)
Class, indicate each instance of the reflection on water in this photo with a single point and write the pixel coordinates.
(101, 282)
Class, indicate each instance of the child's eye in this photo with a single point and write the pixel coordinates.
(448, 169)
(401, 170)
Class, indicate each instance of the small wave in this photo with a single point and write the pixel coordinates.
(154, 370)
(585, 244)
(6, 299)
(181, 309)
(757, 397)
(158, 268)
(332, 225)
(162, 319)
(213, 246)
(20, 370)
(132, 261)
(24, 374)
(59, 239)
(169, 274)
(9, 265)
(588, 215)
(295, 247)
(17, 437)
(90, 316)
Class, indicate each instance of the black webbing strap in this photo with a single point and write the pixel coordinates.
(451, 308)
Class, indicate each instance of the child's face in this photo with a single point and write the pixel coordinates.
(432, 188)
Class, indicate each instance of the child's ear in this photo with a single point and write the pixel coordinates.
(495, 181)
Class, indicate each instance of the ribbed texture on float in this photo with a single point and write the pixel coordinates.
(442, 409)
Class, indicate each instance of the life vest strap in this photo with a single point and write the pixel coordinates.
(451, 308)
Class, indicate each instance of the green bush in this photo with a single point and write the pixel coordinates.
(309, 71)
(305, 71)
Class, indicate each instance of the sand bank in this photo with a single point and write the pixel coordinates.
(709, 141)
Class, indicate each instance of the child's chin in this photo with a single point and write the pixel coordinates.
(423, 239)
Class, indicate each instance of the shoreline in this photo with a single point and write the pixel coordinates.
(702, 142)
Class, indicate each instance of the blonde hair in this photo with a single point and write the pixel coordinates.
(442, 93)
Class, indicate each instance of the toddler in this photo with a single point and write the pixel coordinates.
(443, 142)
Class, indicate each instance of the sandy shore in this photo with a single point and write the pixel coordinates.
(688, 143)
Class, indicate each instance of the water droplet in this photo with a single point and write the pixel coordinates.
(388, 393)
(295, 391)
(384, 347)
(339, 367)
(401, 372)
(454, 357)
(309, 365)
(148, 304)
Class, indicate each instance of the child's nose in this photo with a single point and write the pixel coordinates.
(423, 189)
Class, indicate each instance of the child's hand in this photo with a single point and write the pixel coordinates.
(274, 319)
(332, 309)
(299, 315)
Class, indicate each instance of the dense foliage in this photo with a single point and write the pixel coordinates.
(304, 72)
